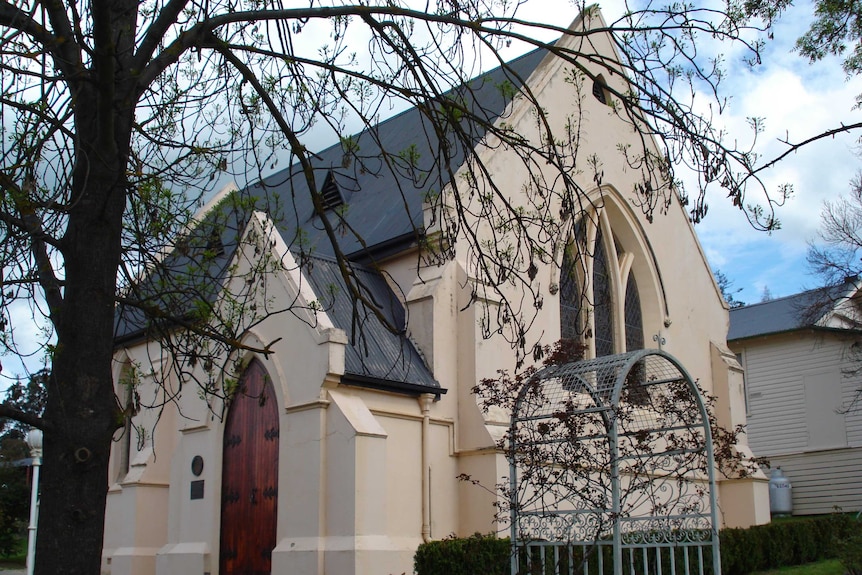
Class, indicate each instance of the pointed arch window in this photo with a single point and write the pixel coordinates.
(123, 436)
(603, 300)
(633, 315)
(600, 302)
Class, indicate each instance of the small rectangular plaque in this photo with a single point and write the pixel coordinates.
(197, 490)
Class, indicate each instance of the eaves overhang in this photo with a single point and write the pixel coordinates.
(401, 387)
(808, 328)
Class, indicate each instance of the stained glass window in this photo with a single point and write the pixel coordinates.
(570, 298)
(603, 273)
(603, 304)
(633, 317)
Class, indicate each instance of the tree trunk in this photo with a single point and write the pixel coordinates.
(82, 413)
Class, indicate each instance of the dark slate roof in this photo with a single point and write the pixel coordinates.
(384, 195)
(798, 311)
(375, 356)
(382, 214)
(192, 272)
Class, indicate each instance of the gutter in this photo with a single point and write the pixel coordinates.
(402, 387)
(811, 328)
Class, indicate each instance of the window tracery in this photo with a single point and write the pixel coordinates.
(600, 303)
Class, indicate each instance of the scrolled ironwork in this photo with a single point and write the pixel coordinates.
(613, 453)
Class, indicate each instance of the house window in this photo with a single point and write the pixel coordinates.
(741, 360)
(597, 275)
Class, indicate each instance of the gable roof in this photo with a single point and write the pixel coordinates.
(807, 310)
(381, 214)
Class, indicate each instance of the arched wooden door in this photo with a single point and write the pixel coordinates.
(249, 477)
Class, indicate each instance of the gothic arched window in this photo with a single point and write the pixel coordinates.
(596, 275)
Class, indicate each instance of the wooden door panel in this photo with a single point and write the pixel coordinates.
(250, 477)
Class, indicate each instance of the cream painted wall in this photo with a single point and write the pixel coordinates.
(682, 304)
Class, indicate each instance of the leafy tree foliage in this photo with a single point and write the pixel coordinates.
(120, 117)
(14, 494)
(837, 30)
(28, 396)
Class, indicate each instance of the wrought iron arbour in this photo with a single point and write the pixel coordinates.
(612, 471)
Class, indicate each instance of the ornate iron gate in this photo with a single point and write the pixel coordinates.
(612, 470)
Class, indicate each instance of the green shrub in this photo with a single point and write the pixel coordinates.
(782, 543)
(476, 555)
(778, 544)
(850, 553)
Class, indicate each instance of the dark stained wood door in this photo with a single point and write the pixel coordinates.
(249, 477)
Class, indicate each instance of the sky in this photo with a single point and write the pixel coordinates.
(797, 100)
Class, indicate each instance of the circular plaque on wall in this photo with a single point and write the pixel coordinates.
(197, 465)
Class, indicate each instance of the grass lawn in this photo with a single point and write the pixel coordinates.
(828, 567)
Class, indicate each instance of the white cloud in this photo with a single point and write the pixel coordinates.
(798, 100)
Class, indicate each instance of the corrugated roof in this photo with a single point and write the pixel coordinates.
(798, 311)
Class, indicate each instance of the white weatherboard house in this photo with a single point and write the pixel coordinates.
(342, 457)
(799, 354)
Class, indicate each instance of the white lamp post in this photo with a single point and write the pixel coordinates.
(34, 442)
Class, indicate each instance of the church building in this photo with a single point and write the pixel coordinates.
(340, 449)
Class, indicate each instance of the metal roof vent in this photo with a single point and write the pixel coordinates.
(600, 90)
(330, 194)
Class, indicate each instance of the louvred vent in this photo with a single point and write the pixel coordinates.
(330, 193)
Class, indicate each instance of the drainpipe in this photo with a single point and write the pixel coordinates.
(425, 405)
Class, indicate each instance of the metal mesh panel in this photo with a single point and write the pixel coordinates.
(612, 453)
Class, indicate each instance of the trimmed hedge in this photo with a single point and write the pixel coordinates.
(850, 553)
(475, 555)
(782, 543)
(759, 548)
